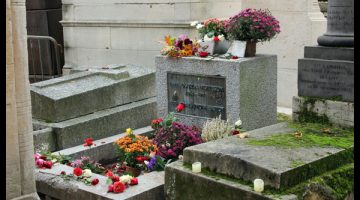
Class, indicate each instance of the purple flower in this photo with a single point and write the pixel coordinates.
(151, 163)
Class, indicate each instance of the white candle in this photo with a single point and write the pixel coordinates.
(258, 185)
(196, 167)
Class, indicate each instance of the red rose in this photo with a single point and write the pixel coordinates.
(235, 132)
(88, 142)
(115, 179)
(119, 187)
(216, 38)
(111, 188)
(68, 164)
(156, 122)
(95, 181)
(109, 174)
(134, 181)
(203, 54)
(234, 57)
(47, 164)
(43, 157)
(180, 107)
(77, 171)
(63, 173)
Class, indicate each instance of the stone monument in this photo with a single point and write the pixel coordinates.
(326, 74)
(235, 89)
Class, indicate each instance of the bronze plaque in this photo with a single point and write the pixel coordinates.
(203, 96)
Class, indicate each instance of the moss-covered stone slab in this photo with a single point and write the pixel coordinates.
(89, 91)
(182, 184)
(280, 166)
(310, 109)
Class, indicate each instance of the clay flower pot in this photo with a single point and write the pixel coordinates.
(135, 172)
(250, 49)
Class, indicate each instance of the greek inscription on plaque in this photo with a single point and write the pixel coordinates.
(203, 96)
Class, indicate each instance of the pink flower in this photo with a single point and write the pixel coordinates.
(40, 162)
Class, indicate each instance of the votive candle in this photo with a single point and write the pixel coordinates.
(196, 167)
(258, 185)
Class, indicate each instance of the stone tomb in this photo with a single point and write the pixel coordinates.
(235, 89)
(93, 103)
(236, 158)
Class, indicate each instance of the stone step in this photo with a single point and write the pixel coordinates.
(182, 184)
(102, 124)
(234, 157)
(104, 149)
(86, 92)
(49, 183)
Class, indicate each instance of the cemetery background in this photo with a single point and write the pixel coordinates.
(62, 127)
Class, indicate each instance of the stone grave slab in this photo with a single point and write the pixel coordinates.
(235, 157)
(48, 182)
(182, 184)
(102, 123)
(244, 88)
(89, 91)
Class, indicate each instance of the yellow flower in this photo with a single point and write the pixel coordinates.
(129, 131)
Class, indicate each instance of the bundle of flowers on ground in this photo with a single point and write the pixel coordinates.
(133, 150)
(211, 29)
(86, 163)
(119, 184)
(179, 47)
(80, 175)
(45, 159)
(252, 25)
(173, 137)
(239, 130)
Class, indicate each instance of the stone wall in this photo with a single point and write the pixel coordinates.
(101, 32)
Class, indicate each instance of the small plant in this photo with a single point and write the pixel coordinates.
(211, 29)
(253, 25)
(132, 146)
(216, 128)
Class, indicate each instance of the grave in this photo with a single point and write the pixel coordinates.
(92, 103)
(244, 88)
(326, 73)
(229, 166)
(51, 186)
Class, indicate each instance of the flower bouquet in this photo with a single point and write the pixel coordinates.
(131, 147)
(251, 26)
(213, 34)
(173, 137)
(179, 47)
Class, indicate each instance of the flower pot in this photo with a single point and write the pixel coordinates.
(221, 47)
(250, 49)
(135, 172)
(237, 48)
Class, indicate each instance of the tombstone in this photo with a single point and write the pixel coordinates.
(235, 89)
(326, 74)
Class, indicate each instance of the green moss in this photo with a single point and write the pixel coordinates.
(312, 135)
(306, 113)
(296, 163)
(283, 117)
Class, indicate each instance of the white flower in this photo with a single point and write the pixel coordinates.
(207, 39)
(199, 26)
(221, 37)
(125, 179)
(194, 23)
(146, 162)
(238, 123)
(87, 173)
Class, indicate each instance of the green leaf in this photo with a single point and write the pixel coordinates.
(109, 181)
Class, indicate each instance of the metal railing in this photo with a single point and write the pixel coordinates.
(41, 50)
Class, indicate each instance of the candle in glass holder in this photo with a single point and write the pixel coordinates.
(258, 185)
(196, 167)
